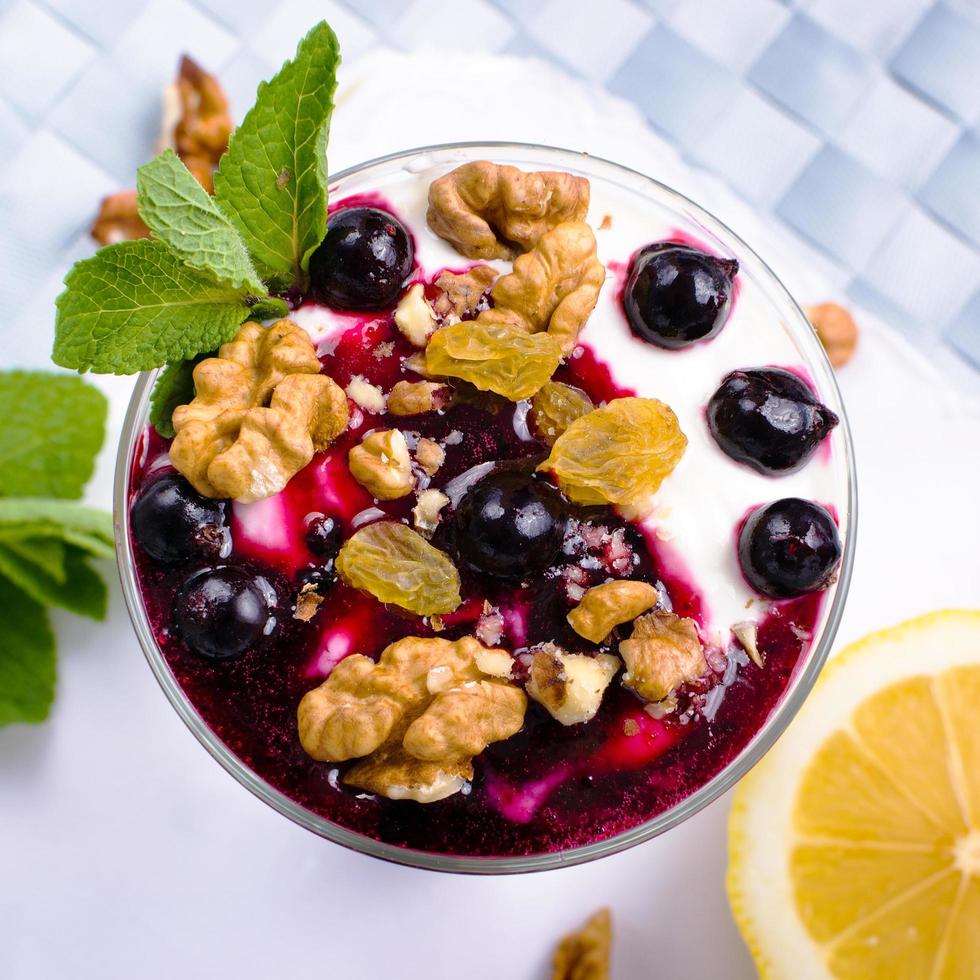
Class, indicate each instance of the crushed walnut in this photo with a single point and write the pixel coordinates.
(608, 605)
(463, 294)
(570, 685)
(419, 743)
(663, 653)
(747, 634)
(836, 329)
(492, 211)
(585, 954)
(415, 397)
(430, 456)
(414, 317)
(381, 464)
(307, 603)
(260, 411)
(366, 395)
(425, 513)
(553, 288)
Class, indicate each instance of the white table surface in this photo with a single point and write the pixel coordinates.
(125, 851)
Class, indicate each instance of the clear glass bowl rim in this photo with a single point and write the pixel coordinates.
(761, 742)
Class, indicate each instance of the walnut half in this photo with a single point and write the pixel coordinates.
(491, 211)
(416, 717)
(554, 287)
(584, 955)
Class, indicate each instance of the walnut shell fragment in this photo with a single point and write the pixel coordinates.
(228, 443)
(554, 287)
(584, 955)
(419, 715)
(605, 606)
(492, 211)
(663, 653)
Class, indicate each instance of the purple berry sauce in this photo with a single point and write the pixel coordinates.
(548, 788)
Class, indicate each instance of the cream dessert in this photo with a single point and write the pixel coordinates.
(521, 523)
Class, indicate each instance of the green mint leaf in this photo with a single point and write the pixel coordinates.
(53, 425)
(82, 592)
(49, 554)
(75, 524)
(272, 182)
(180, 212)
(271, 308)
(174, 386)
(135, 306)
(27, 658)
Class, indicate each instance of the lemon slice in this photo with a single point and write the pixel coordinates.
(854, 846)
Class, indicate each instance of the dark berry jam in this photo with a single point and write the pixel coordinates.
(548, 788)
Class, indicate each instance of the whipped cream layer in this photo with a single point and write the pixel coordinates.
(701, 504)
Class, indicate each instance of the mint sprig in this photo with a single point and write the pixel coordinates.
(140, 305)
(53, 429)
(272, 182)
(181, 213)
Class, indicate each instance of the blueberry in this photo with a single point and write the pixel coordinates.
(324, 537)
(768, 419)
(223, 611)
(364, 260)
(676, 295)
(509, 525)
(789, 547)
(172, 522)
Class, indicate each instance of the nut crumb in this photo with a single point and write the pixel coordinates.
(836, 329)
(747, 634)
(606, 606)
(386, 349)
(630, 728)
(606, 222)
(425, 513)
(585, 955)
(307, 603)
(437, 624)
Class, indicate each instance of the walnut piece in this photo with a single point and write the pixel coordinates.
(462, 293)
(605, 606)
(414, 317)
(836, 329)
(747, 634)
(196, 124)
(414, 397)
(201, 134)
(366, 395)
(663, 653)
(584, 955)
(381, 464)
(228, 443)
(419, 715)
(491, 211)
(430, 456)
(118, 220)
(554, 287)
(425, 513)
(570, 685)
(307, 603)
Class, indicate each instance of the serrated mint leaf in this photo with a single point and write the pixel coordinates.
(174, 386)
(73, 523)
(135, 306)
(272, 182)
(82, 592)
(27, 658)
(270, 308)
(53, 425)
(180, 212)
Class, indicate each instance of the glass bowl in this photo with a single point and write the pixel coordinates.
(685, 215)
